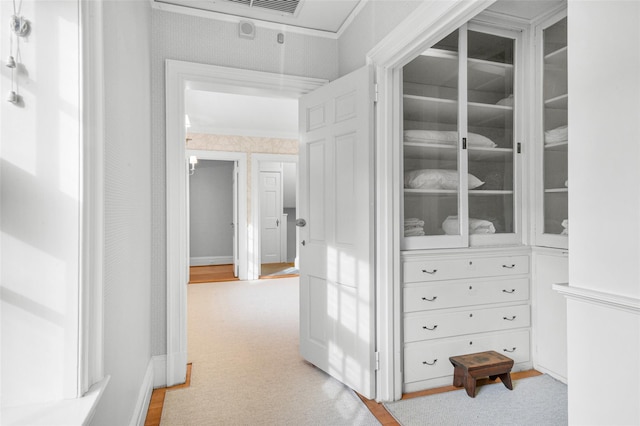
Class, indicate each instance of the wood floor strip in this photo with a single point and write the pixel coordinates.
(211, 274)
(154, 414)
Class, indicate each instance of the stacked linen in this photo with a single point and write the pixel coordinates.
(440, 137)
(565, 226)
(557, 135)
(413, 227)
(450, 226)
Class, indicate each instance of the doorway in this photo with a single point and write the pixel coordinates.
(276, 195)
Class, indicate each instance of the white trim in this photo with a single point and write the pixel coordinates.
(159, 371)
(90, 333)
(178, 77)
(347, 22)
(144, 398)
(430, 22)
(210, 260)
(225, 17)
(254, 234)
(594, 297)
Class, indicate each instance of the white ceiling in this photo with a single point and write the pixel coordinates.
(242, 115)
(228, 114)
(320, 15)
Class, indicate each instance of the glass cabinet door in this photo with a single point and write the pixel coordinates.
(555, 97)
(490, 136)
(431, 145)
(458, 142)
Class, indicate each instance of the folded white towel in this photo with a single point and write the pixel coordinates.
(413, 221)
(508, 101)
(565, 225)
(476, 226)
(447, 138)
(559, 134)
(414, 232)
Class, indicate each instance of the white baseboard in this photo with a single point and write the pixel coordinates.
(159, 371)
(210, 260)
(144, 397)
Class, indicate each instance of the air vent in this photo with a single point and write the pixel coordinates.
(282, 6)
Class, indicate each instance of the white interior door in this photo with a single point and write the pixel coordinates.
(234, 224)
(337, 323)
(270, 216)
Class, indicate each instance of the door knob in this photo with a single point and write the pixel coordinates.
(304, 243)
(301, 223)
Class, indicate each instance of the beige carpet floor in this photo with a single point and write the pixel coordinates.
(243, 343)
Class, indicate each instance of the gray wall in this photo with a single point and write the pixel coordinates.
(202, 40)
(211, 209)
(127, 285)
(371, 25)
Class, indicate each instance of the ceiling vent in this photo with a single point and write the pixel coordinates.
(282, 6)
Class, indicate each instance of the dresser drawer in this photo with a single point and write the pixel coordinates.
(428, 360)
(449, 269)
(438, 325)
(429, 296)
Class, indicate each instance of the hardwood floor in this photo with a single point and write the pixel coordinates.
(211, 274)
(278, 270)
(377, 409)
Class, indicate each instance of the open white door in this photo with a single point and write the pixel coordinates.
(336, 253)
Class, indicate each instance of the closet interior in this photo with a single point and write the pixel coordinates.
(484, 191)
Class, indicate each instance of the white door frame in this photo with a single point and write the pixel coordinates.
(254, 236)
(429, 23)
(241, 159)
(180, 76)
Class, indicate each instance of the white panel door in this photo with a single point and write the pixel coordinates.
(336, 253)
(270, 216)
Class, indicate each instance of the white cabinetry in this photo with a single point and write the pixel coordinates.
(458, 303)
(552, 188)
(460, 151)
(549, 312)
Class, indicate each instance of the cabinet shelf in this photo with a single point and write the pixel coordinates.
(557, 146)
(472, 192)
(557, 190)
(484, 192)
(430, 109)
(417, 150)
(557, 58)
(558, 102)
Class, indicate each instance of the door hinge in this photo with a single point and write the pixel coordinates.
(519, 148)
(375, 92)
(377, 361)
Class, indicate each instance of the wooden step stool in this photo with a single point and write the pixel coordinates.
(469, 368)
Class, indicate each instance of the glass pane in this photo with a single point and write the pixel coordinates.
(555, 99)
(431, 170)
(490, 138)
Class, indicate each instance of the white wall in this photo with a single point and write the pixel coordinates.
(40, 193)
(127, 285)
(211, 210)
(195, 39)
(372, 24)
(604, 210)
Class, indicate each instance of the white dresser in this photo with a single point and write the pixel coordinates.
(455, 304)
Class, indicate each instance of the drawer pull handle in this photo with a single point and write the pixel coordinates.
(429, 363)
(430, 272)
(509, 319)
(512, 350)
(513, 290)
(509, 266)
(430, 300)
(426, 327)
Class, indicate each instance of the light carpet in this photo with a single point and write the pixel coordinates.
(243, 343)
(539, 400)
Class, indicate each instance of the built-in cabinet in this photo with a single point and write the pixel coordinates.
(471, 213)
(460, 154)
